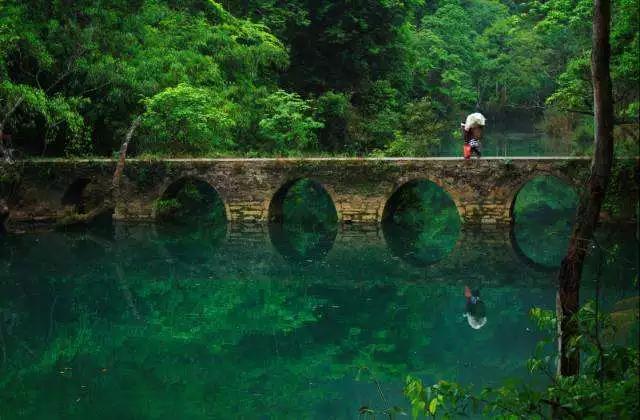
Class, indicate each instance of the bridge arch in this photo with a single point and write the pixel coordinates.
(86, 195)
(402, 182)
(522, 182)
(173, 186)
(275, 206)
(74, 195)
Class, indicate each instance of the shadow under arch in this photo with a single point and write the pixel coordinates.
(303, 221)
(4, 217)
(542, 220)
(83, 195)
(421, 223)
(86, 198)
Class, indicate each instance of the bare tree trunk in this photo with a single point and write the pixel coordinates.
(592, 199)
(117, 174)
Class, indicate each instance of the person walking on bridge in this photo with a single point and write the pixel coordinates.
(473, 129)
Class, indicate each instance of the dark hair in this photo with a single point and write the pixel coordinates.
(466, 135)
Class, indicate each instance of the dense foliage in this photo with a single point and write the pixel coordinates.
(290, 77)
(607, 387)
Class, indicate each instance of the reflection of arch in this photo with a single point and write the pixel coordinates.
(172, 188)
(284, 241)
(276, 212)
(404, 181)
(521, 256)
(189, 245)
(513, 195)
(416, 262)
(391, 231)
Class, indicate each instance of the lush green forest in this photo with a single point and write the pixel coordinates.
(299, 77)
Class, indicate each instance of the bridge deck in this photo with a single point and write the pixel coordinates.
(312, 159)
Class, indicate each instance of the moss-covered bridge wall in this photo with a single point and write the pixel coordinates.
(483, 190)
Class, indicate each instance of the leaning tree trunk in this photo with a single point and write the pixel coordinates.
(122, 156)
(592, 198)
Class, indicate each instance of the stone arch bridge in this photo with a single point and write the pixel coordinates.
(483, 190)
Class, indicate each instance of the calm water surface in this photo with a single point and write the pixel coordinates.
(158, 322)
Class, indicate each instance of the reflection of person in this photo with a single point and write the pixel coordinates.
(472, 133)
(474, 310)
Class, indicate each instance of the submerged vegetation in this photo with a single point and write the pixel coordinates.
(269, 77)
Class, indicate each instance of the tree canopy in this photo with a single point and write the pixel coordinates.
(272, 77)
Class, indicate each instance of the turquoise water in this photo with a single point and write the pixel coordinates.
(503, 142)
(289, 322)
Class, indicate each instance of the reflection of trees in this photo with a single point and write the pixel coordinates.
(299, 244)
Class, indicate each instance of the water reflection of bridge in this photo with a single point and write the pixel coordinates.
(482, 256)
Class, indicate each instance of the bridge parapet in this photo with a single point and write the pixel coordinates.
(482, 190)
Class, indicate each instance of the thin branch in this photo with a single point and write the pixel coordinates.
(579, 111)
(86, 91)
